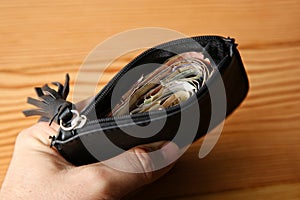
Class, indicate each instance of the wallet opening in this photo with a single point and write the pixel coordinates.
(217, 49)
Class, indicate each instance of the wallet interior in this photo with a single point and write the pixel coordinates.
(216, 49)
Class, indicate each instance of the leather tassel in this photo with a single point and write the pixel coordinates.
(52, 105)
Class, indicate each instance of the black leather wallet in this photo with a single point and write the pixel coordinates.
(179, 91)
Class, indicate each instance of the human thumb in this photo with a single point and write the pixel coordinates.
(137, 167)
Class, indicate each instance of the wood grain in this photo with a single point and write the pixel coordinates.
(258, 153)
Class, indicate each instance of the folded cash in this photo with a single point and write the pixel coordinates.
(170, 84)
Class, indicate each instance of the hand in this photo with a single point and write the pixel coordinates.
(39, 172)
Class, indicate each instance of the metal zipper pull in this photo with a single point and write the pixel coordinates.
(76, 122)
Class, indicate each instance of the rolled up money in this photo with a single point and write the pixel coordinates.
(173, 82)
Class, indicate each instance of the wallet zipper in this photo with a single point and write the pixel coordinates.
(89, 125)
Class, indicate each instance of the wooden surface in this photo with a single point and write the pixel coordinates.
(258, 153)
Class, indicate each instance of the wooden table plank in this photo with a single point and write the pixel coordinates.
(276, 192)
(42, 33)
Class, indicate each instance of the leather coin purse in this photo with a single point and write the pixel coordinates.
(177, 91)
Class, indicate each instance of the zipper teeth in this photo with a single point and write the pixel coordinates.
(127, 67)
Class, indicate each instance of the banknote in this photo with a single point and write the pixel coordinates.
(173, 82)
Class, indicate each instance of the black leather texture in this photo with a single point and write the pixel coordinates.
(102, 138)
